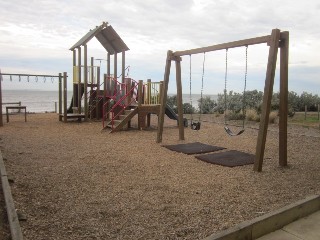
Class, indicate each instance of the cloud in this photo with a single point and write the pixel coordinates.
(36, 35)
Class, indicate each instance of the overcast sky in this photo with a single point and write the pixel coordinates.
(36, 36)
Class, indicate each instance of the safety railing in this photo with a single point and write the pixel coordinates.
(125, 101)
(151, 93)
(92, 73)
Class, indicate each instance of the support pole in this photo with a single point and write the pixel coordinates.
(266, 105)
(1, 114)
(60, 96)
(140, 92)
(108, 65)
(105, 108)
(85, 76)
(115, 66)
(79, 81)
(97, 94)
(164, 97)
(179, 98)
(283, 106)
(65, 97)
(123, 65)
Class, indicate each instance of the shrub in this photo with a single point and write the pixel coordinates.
(252, 115)
(273, 116)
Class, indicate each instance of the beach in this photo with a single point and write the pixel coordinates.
(74, 181)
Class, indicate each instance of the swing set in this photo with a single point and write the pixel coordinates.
(196, 125)
(277, 39)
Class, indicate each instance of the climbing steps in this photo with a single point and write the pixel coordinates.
(122, 120)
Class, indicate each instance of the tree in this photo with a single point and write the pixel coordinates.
(172, 102)
(188, 109)
(206, 105)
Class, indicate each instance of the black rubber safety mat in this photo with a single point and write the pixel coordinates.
(193, 148)
(230, 158)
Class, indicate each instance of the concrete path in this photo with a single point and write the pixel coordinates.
(307, 228)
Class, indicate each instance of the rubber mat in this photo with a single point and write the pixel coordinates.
(193, 148)
(230, 158)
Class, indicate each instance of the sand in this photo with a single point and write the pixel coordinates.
(73, 181)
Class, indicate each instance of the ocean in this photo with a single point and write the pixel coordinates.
(39, 101)
(36, 101)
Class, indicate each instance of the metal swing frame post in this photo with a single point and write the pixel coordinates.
(276, 40)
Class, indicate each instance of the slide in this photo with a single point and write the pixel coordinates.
(172, 115)
(71, 104)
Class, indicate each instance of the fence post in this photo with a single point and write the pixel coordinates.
(305, 112)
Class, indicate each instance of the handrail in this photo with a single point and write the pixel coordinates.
(118, 104)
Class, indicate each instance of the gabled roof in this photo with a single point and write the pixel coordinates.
(108, 38)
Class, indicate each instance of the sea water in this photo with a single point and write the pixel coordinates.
(39, 101)
(36, 101)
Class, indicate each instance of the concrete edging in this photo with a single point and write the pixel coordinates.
(270, 222)
(15, 230)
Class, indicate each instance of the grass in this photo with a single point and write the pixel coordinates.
(310, 121)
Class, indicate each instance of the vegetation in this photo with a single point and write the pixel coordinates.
(233, 102)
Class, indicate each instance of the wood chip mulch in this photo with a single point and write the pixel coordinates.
(73, 181)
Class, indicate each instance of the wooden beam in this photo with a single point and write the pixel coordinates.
(65, 108)
(79, 81)
(266, 105)
(60, 96)
(123, 65)
(179, 98)
(164, 96)
(1, 114)
(115, 66)
(108, 65)
(97, 94)
(85, 75)
(283, 108)
(240, 43)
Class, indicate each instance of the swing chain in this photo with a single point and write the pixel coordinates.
(190, 82)
(244, 88)
(201, 98)
(225, 87)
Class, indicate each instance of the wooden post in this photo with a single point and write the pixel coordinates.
(108, 65)
(164, 97)
(105, 93)
(1, 114)
(305, 112)
(123, 65)
(60, 97)
(150, 101)
(140, 92)
(65, 97)
(85, 75)
(97, 94)
(79, 81)
(266, 105)
(318, 111)
(115, 67)
(179, 98)
(283, 108)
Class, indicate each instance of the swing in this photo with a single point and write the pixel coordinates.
(196, 125)
(226, 128)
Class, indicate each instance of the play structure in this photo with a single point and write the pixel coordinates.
(27, 77)
(277, 39)
(113, 99)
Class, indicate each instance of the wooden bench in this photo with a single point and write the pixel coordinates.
(19, 108)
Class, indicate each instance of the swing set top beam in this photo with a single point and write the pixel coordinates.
(28, 75)
(240, 43)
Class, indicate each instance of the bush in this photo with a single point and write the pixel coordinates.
(232, 115)
(252, 115)
(273, 116)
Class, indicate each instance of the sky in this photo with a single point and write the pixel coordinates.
(36, 36)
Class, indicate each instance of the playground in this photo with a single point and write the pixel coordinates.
(73, 183)
(73, 179)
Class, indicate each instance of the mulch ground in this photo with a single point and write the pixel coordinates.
(73, 181)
